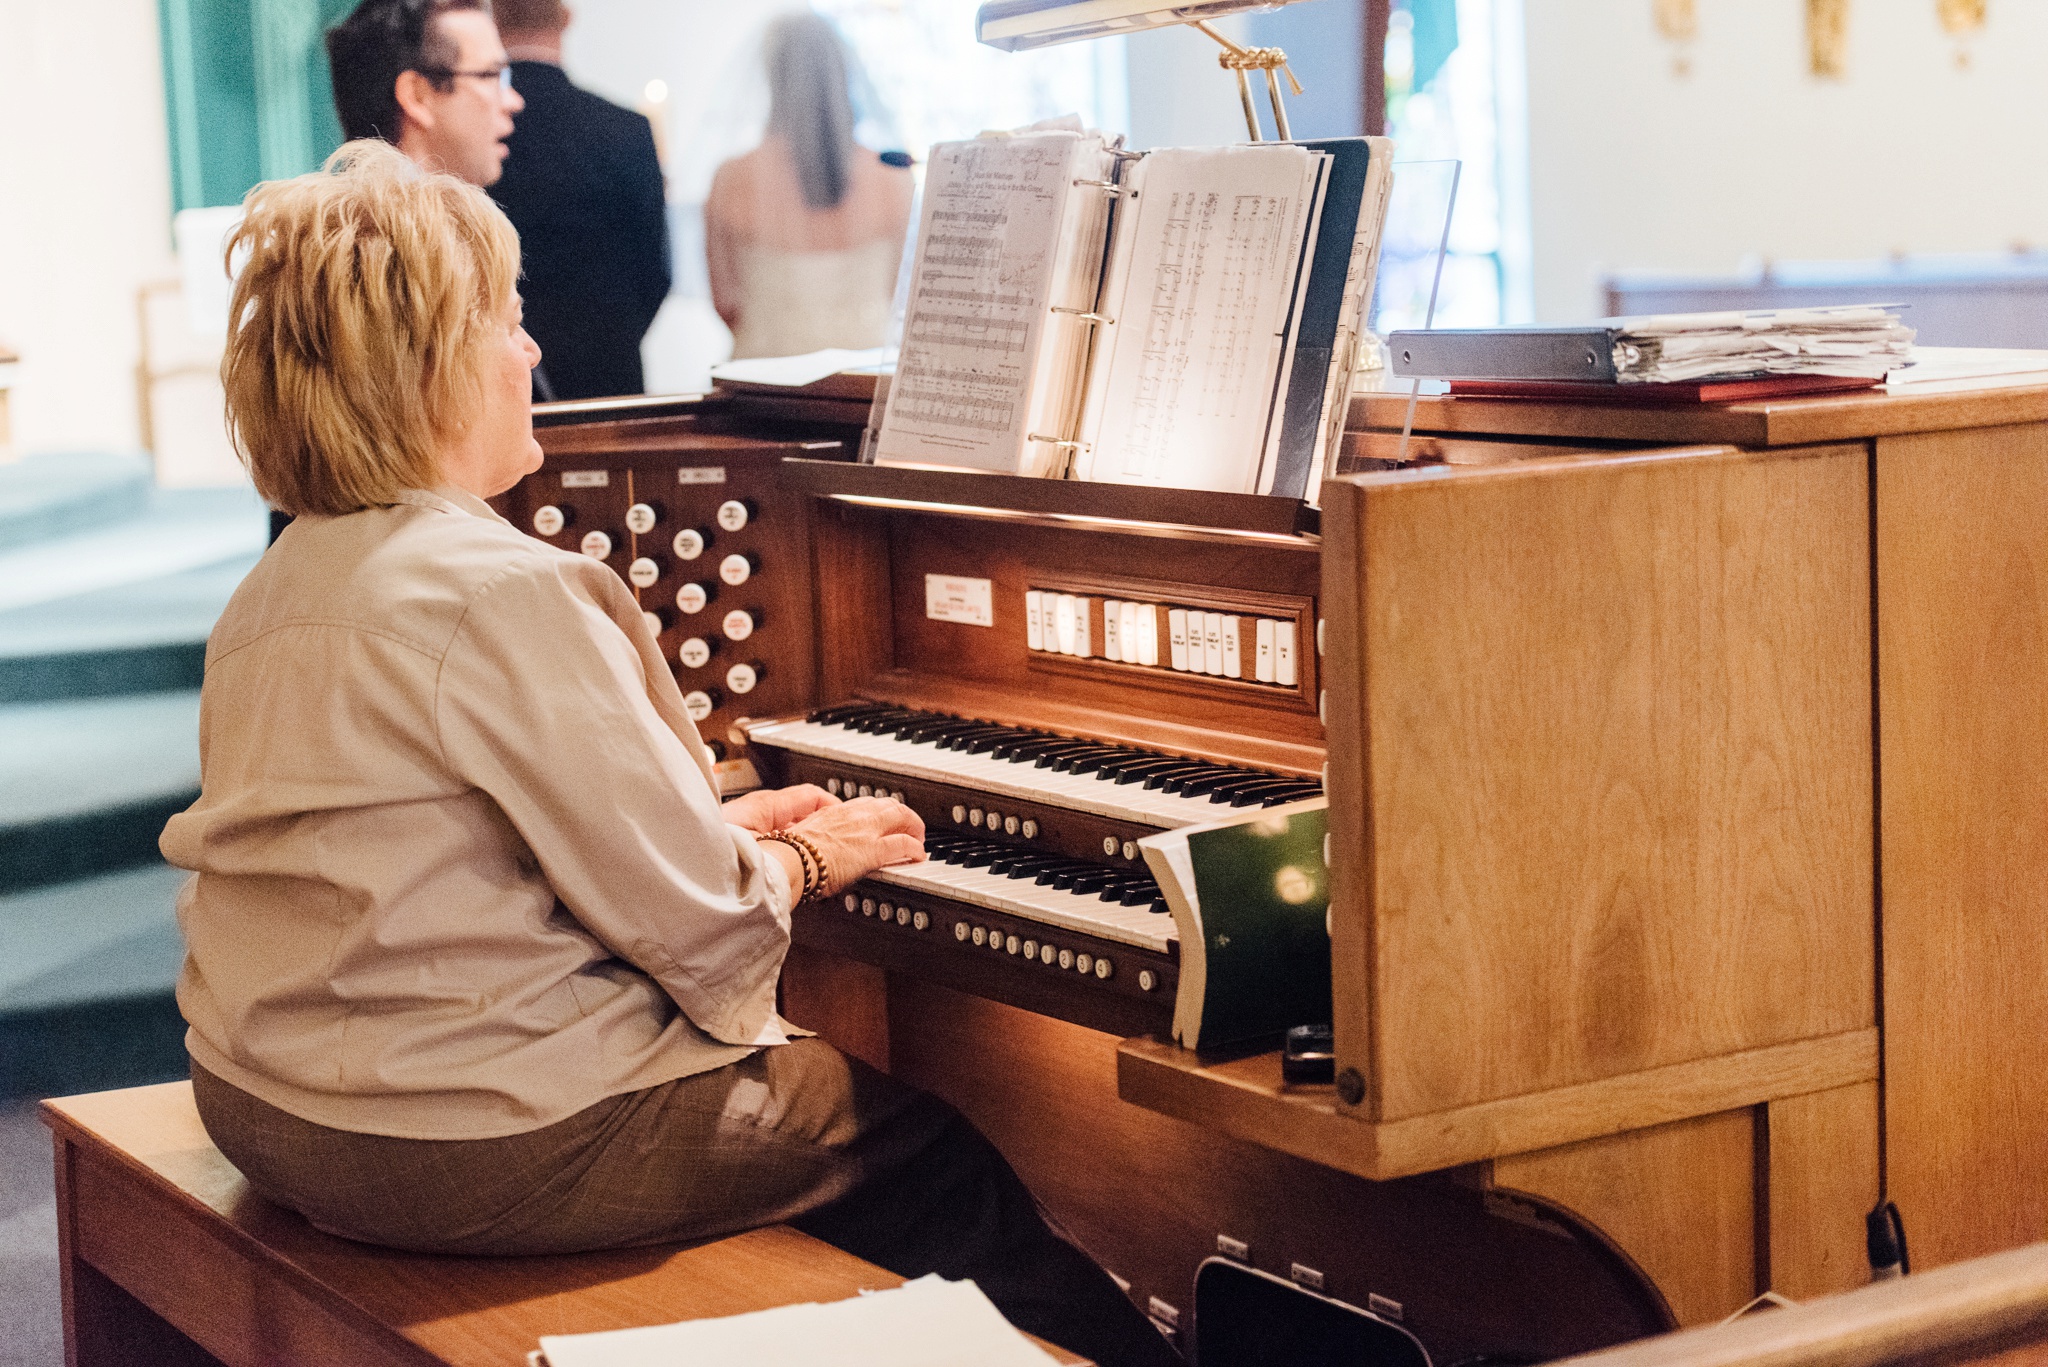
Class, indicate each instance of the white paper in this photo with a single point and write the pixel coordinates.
(1934, 363)
(998, 247)
(955, 598)
(798, 371)
(1205, 272)
(929, 1322)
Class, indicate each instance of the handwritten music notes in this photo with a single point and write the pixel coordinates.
(1006, 237)
(1206, 273)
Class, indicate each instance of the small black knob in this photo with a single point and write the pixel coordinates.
(1350, 1086)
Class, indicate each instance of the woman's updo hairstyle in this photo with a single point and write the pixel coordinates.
(363, 294)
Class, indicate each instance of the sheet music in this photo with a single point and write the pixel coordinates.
(998, 247)
(1204, 278)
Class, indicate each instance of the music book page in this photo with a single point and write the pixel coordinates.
(1005, 237)
(1204, 276)
(928, 1322)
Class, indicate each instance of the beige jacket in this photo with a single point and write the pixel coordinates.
(461, 866)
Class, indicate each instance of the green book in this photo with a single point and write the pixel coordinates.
(1251, 899)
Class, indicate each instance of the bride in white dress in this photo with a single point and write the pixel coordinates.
(803, 234)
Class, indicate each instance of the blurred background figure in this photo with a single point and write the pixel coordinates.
(803, 235)
(428, 76)
(583, 186)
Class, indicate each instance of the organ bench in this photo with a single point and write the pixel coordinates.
(169, 1259)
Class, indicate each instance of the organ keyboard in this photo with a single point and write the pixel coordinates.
(1031, 836)
(770, 595)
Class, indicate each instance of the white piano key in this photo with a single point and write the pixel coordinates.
(1112, 636)
(1148, 634)
(1085, 913)
(1063, 623)
(1177, 628)
(1212, 642)
(1084, 617)
(1127, 632)
(1262, 651)
(1283, 653)
(1233, 654)
(996, 777)
(1034, 634)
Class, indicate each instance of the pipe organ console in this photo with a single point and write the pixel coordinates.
(1600, 733)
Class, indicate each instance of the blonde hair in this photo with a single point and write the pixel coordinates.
(355, 345)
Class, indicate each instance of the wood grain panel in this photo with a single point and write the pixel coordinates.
(1620, 784)
(161, 1213)
(1147, 1194)
(1946, 406)
(1017, 557)
(1992, 1310)
(1821, 1178)
(1963, 668)
(1679, 1199)
(842, 999)
(1246, 1097)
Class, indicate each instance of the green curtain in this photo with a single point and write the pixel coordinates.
(246, 93)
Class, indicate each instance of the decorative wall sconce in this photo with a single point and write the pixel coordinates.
(1961, 19)
(1678, 22)
(1827, 37)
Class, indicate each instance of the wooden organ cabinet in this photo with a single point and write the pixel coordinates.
(1616, 710)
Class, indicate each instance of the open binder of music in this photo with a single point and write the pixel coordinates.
(1183, 317)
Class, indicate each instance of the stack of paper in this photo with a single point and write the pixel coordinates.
(1864, 340)
(929, 1322)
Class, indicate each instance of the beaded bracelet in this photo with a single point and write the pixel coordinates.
(813, 885)
(812, 857)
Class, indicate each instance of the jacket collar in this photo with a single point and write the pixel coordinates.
(448, 499)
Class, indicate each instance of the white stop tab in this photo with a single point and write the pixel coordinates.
(689, 543)
(695, 653)
(698, 704)
(597, 545)
(739, 625)
(692, 598)
(735, 569)
(640, 519)
(642, 573)
(733, 515)
(742, 678)
(653, 621)
(548, 520)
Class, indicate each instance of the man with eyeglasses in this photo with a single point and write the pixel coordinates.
(429, 77)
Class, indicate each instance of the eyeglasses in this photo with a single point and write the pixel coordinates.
(502, 75)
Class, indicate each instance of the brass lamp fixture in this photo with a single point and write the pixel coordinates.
(1016, 25)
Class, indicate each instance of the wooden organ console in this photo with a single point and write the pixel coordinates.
(1600, 702)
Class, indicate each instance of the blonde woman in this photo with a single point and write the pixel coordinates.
(477, 961)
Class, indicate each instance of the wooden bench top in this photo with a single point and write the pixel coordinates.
(147, 1200)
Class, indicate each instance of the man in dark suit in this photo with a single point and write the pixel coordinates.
(583, 186)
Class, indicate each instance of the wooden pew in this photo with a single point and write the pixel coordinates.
(1988, 1310)
(169, 1259)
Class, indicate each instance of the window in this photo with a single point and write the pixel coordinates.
(1454, 91)
(936, 83)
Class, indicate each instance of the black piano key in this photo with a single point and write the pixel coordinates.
(1087, 761)
(1045, 755)
(1138, 770)
(1169, 779)
(828, 716)
(968, 738)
